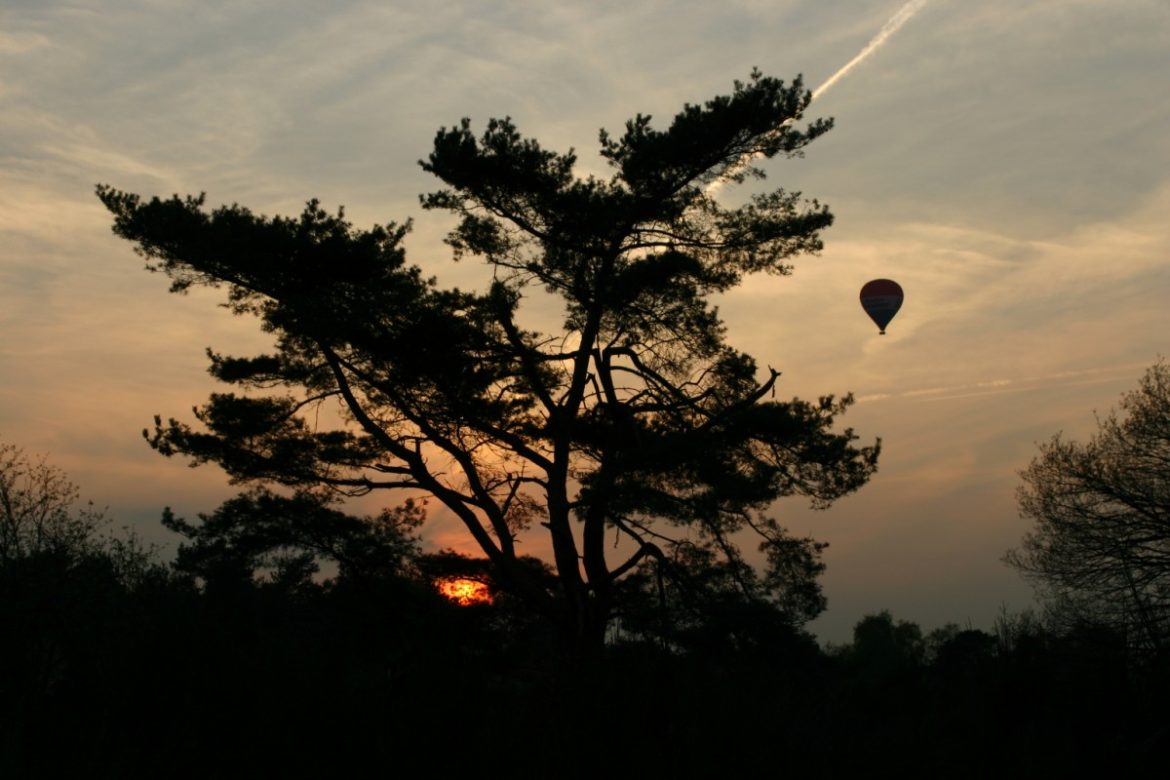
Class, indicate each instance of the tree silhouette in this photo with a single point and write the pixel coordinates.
(261, 534)
(1100, 549)
(636, 418)
(37, 513)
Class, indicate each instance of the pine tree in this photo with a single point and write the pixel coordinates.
(636, 418)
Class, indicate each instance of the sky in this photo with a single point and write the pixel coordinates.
(1007, 162)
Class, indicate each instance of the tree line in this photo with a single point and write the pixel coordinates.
(287, 635)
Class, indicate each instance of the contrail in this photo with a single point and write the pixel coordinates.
(888, 29)
(892, 26)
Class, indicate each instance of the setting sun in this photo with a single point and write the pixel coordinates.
(464, 591)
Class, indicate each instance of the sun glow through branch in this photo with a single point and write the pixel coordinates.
(464, 591)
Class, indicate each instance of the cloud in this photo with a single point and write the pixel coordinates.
(1112, 373)
(21, 42)
(980, 306)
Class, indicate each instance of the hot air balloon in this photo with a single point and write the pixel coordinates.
(881, 300)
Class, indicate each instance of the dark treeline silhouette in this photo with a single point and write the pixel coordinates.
(287, 636)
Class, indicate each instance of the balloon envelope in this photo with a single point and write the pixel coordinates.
(881, 300)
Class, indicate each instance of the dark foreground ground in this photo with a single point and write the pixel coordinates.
(157, 678)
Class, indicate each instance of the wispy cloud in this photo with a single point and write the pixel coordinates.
(1110, 373)
(21, 42)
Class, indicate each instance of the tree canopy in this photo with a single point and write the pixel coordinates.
(1100, 547)
(635, 417)
(39, 513)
